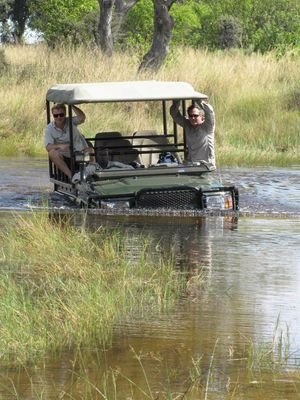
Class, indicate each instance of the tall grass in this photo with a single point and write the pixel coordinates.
(61, 287)
(256, 97)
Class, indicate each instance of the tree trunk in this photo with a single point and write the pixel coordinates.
(121, 10)
(104, 26)
(163, 25)
(20, 15)
(112, 16)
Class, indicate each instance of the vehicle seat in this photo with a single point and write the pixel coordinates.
(112, 147)
(150, 144)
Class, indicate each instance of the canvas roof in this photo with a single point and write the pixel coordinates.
(102, 92)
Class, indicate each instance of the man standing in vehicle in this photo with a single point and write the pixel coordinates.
(199, 131)
(57, 137)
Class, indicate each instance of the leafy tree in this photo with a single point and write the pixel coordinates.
(187, 22)
(218, 18)
(113, 14)
(20, 15)
(64, 20)
(186, 30)
(162, 28)
(230, 32)
(138, 28)
(264, 25)
(5, 8)
(155, 23)
(275, 23)
(251, 24)
(14, 15)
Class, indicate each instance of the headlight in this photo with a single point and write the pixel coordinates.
(219, 201)
(116, 204)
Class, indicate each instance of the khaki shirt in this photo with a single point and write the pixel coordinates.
(54, 135)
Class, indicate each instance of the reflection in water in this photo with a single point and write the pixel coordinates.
(251, 270)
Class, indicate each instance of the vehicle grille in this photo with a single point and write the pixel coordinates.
(176, 198)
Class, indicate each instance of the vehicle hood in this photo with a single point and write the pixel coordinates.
(131, 185)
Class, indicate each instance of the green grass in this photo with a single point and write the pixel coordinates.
(62, 287)
(256, 98)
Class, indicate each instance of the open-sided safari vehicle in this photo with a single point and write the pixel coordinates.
(140, 166)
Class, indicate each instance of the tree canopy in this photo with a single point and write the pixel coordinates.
(63, 20)
(254, 25)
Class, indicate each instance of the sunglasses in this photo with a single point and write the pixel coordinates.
(194, 115)
(59, 115)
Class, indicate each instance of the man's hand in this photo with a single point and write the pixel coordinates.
(79, 113)
(204, 103)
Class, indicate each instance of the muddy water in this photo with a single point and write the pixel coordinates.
(24, 184)
(250, 298)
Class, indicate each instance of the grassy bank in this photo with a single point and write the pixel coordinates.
(256, 98)
(61, 287)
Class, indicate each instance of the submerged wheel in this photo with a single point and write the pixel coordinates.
(93, 203)
(81, 204)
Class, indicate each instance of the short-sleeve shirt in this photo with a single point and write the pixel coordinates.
(54, 135)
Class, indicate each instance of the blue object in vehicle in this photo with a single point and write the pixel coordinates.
(166, 158)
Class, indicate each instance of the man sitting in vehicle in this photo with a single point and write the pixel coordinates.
(199, 130)
(57, 137)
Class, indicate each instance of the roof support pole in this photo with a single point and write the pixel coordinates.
(48, 112)
(72, 155)
(184, 138)
(165, 117)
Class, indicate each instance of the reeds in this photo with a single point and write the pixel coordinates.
(256, 98)
(62, 287)
(150, 377)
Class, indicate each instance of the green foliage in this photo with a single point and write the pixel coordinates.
(276, 23)
(64, 20)
(20, 15)
(187, 21)
(230, 32)
(214, 24)
(264, 25)
(139, 25)
(14, 15)
(187, 18)
(5, 28)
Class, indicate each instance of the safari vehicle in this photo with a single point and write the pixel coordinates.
(140, 167)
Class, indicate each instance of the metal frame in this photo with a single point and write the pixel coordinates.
(58, 177)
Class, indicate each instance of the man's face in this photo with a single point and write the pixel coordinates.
(195, 117)
(59, 115)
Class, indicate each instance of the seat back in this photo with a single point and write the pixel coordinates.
(110, 146)
(150, 145)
